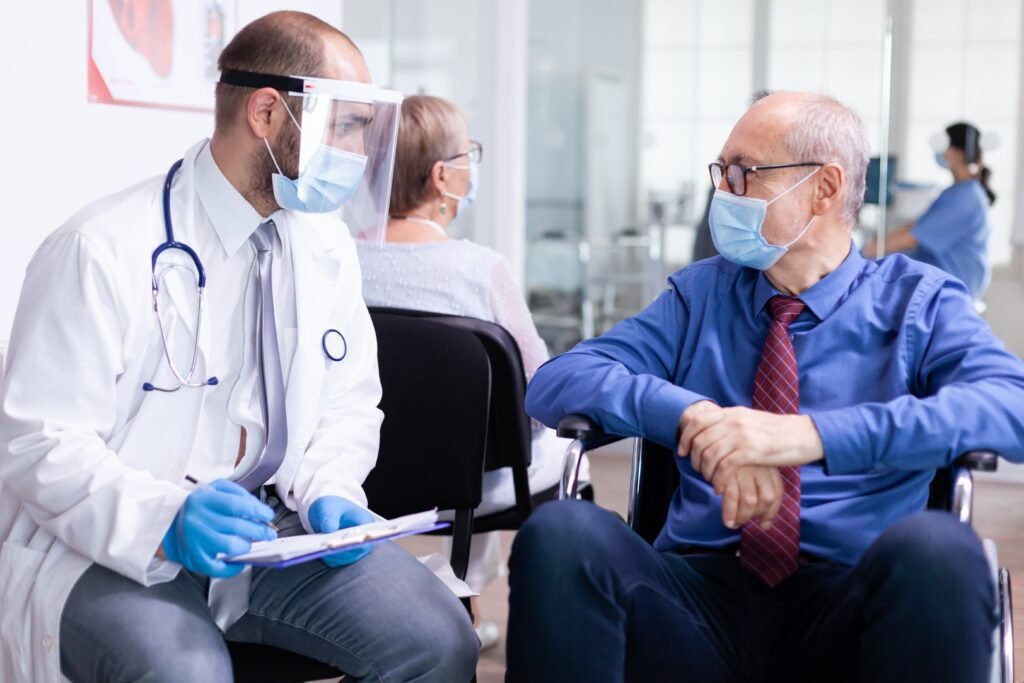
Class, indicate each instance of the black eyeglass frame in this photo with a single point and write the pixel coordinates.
(724, 172)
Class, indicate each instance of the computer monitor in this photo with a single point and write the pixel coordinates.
(871, 187)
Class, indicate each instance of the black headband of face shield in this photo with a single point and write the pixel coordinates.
(249, 79)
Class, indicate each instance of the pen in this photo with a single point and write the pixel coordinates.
(192, 480)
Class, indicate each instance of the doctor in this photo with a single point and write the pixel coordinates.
(192, 361)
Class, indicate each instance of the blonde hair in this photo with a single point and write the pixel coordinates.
(430, 130)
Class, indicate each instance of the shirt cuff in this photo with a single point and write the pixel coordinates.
(662, 411)
(846, 441)
(161, 571)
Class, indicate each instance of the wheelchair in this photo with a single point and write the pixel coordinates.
(655, 478)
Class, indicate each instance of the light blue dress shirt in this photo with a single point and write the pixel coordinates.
(953, 235)
(896, 370)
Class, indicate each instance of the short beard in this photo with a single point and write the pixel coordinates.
(261, 184)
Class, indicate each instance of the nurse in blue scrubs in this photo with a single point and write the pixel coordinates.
(953, 233)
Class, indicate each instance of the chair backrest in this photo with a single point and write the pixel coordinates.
(509, 436)
(658, 479)
(436, 381)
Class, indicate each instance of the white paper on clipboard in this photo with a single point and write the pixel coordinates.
(290, 547)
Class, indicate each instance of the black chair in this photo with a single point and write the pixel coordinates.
(427, 404)
(438, 385)
(655, 479)
(254, 663)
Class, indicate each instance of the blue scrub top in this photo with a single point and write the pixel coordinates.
(953, 235)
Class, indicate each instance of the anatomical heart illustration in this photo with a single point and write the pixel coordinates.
(157, 53)
(148, 26)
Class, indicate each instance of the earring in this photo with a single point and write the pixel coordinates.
(443, 210)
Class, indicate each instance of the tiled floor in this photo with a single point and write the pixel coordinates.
(999, 515)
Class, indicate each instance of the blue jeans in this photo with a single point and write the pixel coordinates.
(592, 601)
(384, 618)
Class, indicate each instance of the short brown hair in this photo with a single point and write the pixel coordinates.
(429, 131)
(281, 44)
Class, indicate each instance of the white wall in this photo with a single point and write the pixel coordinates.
(697, 81)
(571, 41)
(831, 46)
(62, 152)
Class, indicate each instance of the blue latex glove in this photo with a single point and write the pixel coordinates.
(219, 518)
(330, 513)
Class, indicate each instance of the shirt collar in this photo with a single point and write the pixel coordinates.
(824, 295)
(233, 218)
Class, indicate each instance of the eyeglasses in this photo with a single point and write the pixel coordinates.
(475, 153)
(736, 175)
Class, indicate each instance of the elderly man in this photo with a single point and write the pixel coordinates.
(810, 395)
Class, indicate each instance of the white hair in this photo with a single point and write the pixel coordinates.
(828, 131)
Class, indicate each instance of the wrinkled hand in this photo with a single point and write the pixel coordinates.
(222, 518)
(753, 493)
(722, 440)
(330, 513)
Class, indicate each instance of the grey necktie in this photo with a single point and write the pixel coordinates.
(229, 598)
(268, 365)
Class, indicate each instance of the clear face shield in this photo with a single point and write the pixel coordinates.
(347, 137)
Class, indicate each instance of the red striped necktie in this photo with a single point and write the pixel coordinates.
(773, 554)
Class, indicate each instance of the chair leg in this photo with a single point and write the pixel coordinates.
(521, 484)
(462, 538)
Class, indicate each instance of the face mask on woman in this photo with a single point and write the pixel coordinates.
(466, 200)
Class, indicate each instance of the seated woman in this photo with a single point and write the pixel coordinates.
(420, 268)
(953, 233)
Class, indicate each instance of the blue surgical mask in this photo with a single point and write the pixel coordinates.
(328, 180)
(324, 185)
(736, 224)
(940, 159)
(466, 200)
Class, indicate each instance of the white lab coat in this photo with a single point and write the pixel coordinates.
(90, 464)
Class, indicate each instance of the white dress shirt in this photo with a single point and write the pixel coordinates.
(225, 221)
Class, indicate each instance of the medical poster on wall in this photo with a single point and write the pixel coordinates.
(157, 53)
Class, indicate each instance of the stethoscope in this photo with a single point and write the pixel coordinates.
(184, 379)
(333, 342)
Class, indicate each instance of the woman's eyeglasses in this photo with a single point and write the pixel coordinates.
(475, 153)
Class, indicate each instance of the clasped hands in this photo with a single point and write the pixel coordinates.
(739, 452)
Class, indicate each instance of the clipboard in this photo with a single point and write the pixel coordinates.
(263, 554)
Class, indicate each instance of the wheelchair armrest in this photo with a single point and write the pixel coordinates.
(586, 435)
(582, 428)
(959, 495)
(978, 461)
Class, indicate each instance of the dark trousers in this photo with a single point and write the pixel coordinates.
(592, 601)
